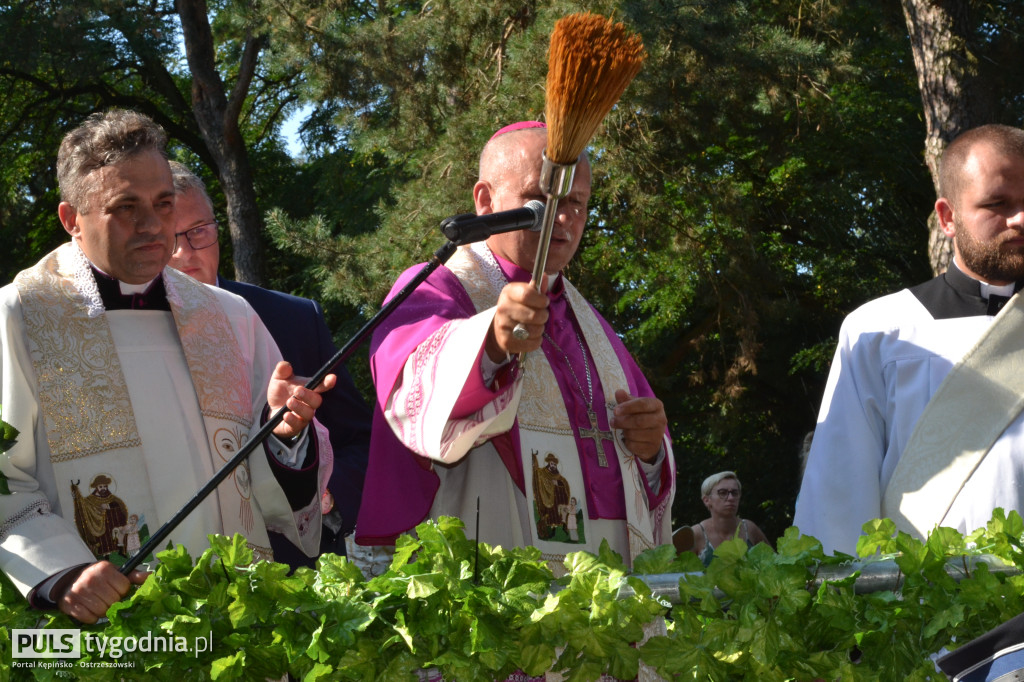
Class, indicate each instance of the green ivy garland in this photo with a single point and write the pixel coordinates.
(750, 616)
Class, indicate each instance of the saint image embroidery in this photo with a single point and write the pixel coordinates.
(98, 515)
(569, 516)
(127, 536)
(556, 511)
(227, 442)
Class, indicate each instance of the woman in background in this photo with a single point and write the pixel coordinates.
(721, 495)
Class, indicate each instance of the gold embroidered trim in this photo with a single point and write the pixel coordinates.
(552, 431)
(216, 365)
(82, 393)
(57, 457)
(261, 553)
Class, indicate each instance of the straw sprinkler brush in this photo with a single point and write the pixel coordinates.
(591, 60)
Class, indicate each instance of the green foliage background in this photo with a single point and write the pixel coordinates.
(745, 195)
(760, 178)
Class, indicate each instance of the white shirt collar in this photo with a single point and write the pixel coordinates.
(989, 289)
(126, 288)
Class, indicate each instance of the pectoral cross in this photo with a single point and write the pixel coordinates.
(598, 436)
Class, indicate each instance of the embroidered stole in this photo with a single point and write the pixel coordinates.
(90, 424)
(555, 494)
(972, 407)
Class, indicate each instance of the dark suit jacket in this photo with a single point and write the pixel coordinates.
(298, 327)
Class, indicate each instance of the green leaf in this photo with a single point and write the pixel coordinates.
(794, 547)
(403, 631)
(318, 672)
(944, 619)
(428, 612)
(877, 537)
(658, 560)
(422, 586)
(405, 548)
(8, 436)
(232, 551)
(229, 667)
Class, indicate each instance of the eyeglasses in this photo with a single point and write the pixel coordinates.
(571, 209)
(198, 237)
(726, 493)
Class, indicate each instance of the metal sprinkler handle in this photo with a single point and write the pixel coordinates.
(555, 182)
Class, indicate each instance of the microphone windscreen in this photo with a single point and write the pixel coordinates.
(538, 211)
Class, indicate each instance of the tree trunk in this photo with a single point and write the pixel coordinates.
(952, 96)
(217, 116)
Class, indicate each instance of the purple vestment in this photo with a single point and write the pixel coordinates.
(400, 485)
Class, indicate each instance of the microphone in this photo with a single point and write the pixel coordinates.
(467, 228)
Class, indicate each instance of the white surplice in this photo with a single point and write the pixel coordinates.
(38, 536)
(891, 358)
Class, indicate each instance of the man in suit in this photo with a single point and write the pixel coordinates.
(298, 326)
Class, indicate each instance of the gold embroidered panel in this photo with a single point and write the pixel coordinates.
(84, 399)
(214, 359)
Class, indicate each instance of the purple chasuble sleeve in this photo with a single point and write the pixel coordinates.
(400, 484)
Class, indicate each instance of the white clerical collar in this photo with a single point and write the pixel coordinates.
(129, 289)
(126, 288)
(989, 289)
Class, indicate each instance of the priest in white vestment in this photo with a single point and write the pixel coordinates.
(883, 447)
(562, 449)
(132, 384)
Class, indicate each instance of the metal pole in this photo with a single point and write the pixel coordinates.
(877, 575)
(156, 540)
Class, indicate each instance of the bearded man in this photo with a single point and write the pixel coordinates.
(920, 421)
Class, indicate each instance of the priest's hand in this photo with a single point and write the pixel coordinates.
(643, 423)
(519, 303)
(288, 389)
(94, 590)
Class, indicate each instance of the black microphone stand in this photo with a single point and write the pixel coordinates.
(440, 257)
